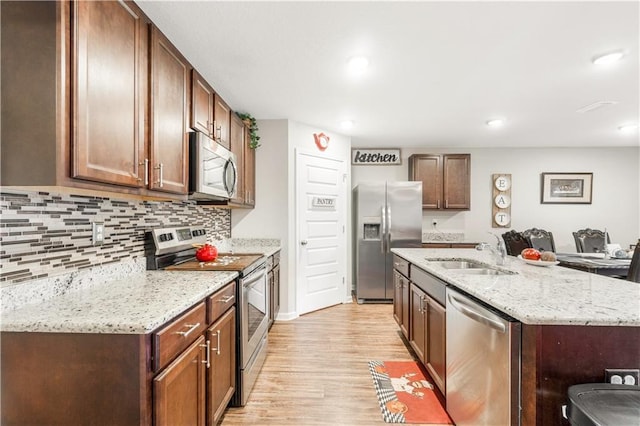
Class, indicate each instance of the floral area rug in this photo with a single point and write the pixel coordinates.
(404, 395)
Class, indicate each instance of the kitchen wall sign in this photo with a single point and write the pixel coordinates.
(321, 140)
(501, 212)
(379, 157)
(324, 202)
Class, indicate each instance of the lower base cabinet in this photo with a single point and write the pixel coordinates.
(401, 297)
(273, 279)
(180, 389)
(427, 334)
(221, 376)
(184, 373)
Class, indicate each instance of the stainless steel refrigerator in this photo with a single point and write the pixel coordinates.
(386, 215)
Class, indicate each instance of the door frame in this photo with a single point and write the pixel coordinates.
(347, 223)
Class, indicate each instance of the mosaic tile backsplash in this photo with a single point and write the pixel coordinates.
(45, 234)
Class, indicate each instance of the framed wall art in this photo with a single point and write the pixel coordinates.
(566, 188)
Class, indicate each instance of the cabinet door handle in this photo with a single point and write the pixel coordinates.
(160, 176)
(446, 204)
(226, 299)
(145, 163)
(208, 353)
(438, 204)
(192, 327)
(217, 348)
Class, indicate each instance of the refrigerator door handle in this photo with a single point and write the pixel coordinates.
(388, 233)
(383, 229)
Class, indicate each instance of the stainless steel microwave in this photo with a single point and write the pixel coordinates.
(213, 174)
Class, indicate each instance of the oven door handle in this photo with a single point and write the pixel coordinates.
(255, 276)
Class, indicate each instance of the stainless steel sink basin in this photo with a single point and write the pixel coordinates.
(482, 271)
(459, 264)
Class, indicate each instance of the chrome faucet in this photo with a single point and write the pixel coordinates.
(500, 252)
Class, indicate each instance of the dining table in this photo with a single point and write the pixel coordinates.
(595, 263)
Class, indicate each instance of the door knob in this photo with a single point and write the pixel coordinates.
(303, 242)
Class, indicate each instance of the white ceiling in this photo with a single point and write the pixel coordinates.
(438, 70)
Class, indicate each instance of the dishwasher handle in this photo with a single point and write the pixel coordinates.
(468, 310)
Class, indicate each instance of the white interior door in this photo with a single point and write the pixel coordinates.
(321, 232)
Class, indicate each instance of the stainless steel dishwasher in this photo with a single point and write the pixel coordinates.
(483, 363)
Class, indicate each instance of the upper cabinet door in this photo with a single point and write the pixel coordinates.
(446, 180)
(237, 147)
(222, 121)
(202, 98)
(109, 62)
(170, 97)
(457, 181)
(428, 169)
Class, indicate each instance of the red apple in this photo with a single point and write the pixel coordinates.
(530, 254)
(207, 253)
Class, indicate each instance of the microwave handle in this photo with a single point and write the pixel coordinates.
(231, 190)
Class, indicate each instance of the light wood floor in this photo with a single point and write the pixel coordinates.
(316, 371)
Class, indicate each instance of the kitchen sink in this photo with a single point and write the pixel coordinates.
(469, 267)
(459, 264)
(483, 271)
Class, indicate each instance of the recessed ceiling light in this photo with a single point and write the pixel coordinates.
(495, 122)
(628, 128)
(346, 124)
(358, 64)
(608, 58)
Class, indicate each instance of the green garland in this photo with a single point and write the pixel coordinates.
(253, 129)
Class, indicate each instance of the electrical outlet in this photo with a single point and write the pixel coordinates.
(97, 233)
(622, 376)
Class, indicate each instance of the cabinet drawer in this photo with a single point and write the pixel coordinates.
(174, 337)
(401, 265)
(221, 301)
(433, 286)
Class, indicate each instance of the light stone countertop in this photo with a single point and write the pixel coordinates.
(137, 304)
(265, 246)
(536, 294)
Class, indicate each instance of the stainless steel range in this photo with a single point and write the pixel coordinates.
(173, 249)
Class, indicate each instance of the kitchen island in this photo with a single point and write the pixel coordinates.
(574, 324)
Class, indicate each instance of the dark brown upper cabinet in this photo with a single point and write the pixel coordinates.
(111, 97)
(202, 101)
(237, 134)
(169, 124)
(221, 122)
(109, 73)
(446, 180)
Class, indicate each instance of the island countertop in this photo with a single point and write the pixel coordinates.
(137, 304)
(538, 295)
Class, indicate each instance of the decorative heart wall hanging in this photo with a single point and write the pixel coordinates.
(322, 141)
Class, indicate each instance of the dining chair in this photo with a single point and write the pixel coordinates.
(540, 239)
(515, 242)
(590, 240)
(634, 267)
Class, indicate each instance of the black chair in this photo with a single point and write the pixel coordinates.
(540, 239)
(515, 242)
(590, 241)
(634, 267)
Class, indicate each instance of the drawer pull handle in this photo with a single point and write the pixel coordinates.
(192, 327)
(208, 351)
(226, 299)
